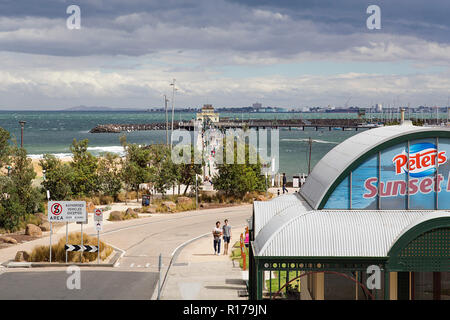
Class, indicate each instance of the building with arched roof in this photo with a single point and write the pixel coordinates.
(372, 221)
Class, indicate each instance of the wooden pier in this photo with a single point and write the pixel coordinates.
(317, 124)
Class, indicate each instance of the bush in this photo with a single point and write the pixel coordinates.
(42, 253)
(123, 196)
(123, 215)
(106, 200)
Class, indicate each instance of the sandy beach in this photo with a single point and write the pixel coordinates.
(38, 168)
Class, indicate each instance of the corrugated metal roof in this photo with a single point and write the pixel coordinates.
(265, 210)
(327, 170)
(337, 233)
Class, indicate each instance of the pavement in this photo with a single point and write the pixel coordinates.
(140, 242)
(198, 274)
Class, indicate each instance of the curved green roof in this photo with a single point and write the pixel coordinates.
(348, 155)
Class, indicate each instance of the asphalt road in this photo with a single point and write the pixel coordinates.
(135, 275)
(94, 285)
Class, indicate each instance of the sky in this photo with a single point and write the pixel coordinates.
(229, 53)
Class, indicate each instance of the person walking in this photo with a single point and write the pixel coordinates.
(217, 232)
(284, 183)
(226, 236)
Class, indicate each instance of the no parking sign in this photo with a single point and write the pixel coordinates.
(66, 211)
(98, 215)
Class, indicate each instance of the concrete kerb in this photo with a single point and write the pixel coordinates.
(119, 253)
(173, 258)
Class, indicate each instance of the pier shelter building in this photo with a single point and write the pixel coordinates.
(372, 221)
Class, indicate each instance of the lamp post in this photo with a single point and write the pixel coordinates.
(167, 120)
(22, 125)
(173, 99)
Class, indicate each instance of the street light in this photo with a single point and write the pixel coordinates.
(22, 125)
(173, 99)
(167, 120)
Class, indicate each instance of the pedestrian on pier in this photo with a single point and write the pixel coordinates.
(284, 183)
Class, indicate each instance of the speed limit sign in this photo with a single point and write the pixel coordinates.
(98, 215)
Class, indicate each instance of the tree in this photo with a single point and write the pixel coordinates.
(135, 170)
(238, 179)
(4, 147)
(84, 165)
(18, 196)
(22, 176)
(187, 171)
(110, 175)
(58, 177)
(163, 172)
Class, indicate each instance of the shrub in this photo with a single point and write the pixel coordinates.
(42, 253)
(106, 199)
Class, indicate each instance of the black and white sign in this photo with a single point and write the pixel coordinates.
(66, 211)
(99, 225)
(77, 247)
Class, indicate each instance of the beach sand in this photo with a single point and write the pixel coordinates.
(38, 168)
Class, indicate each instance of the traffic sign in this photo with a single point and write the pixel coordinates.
(98, 215)
(66, 211)
(99, 225)
(77, 247)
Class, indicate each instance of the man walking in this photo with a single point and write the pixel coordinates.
(284, 183)
(226, 236)
(217, 232)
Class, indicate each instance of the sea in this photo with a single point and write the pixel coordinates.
(53, 132)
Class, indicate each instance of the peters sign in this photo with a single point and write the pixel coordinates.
(410, 175)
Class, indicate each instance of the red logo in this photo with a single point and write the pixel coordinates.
(56, 209)
(423, 159)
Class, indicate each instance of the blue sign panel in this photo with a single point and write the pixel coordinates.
(412, 175)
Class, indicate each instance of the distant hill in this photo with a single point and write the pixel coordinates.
(95, 108)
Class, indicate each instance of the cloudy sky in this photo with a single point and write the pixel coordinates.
(225, 52)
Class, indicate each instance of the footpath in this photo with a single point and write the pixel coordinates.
(198, 274)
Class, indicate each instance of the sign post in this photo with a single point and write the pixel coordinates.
(51, 242)
(98, 218)
(67, 236)
(81, 255)
(66, 211)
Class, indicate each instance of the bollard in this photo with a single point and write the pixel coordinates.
(159, 270)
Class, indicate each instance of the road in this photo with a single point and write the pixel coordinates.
(135, 275)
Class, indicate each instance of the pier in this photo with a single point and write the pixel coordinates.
(299, 124)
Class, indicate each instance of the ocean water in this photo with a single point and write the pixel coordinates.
(53, 132)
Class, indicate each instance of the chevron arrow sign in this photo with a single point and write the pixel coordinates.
(77, 247)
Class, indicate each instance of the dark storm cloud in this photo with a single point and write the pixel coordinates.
(272, 28)
(427, 19)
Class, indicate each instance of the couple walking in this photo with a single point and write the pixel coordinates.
(217, 232)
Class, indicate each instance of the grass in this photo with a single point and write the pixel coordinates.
(283, 274)
(42, 253)
(236, 254)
